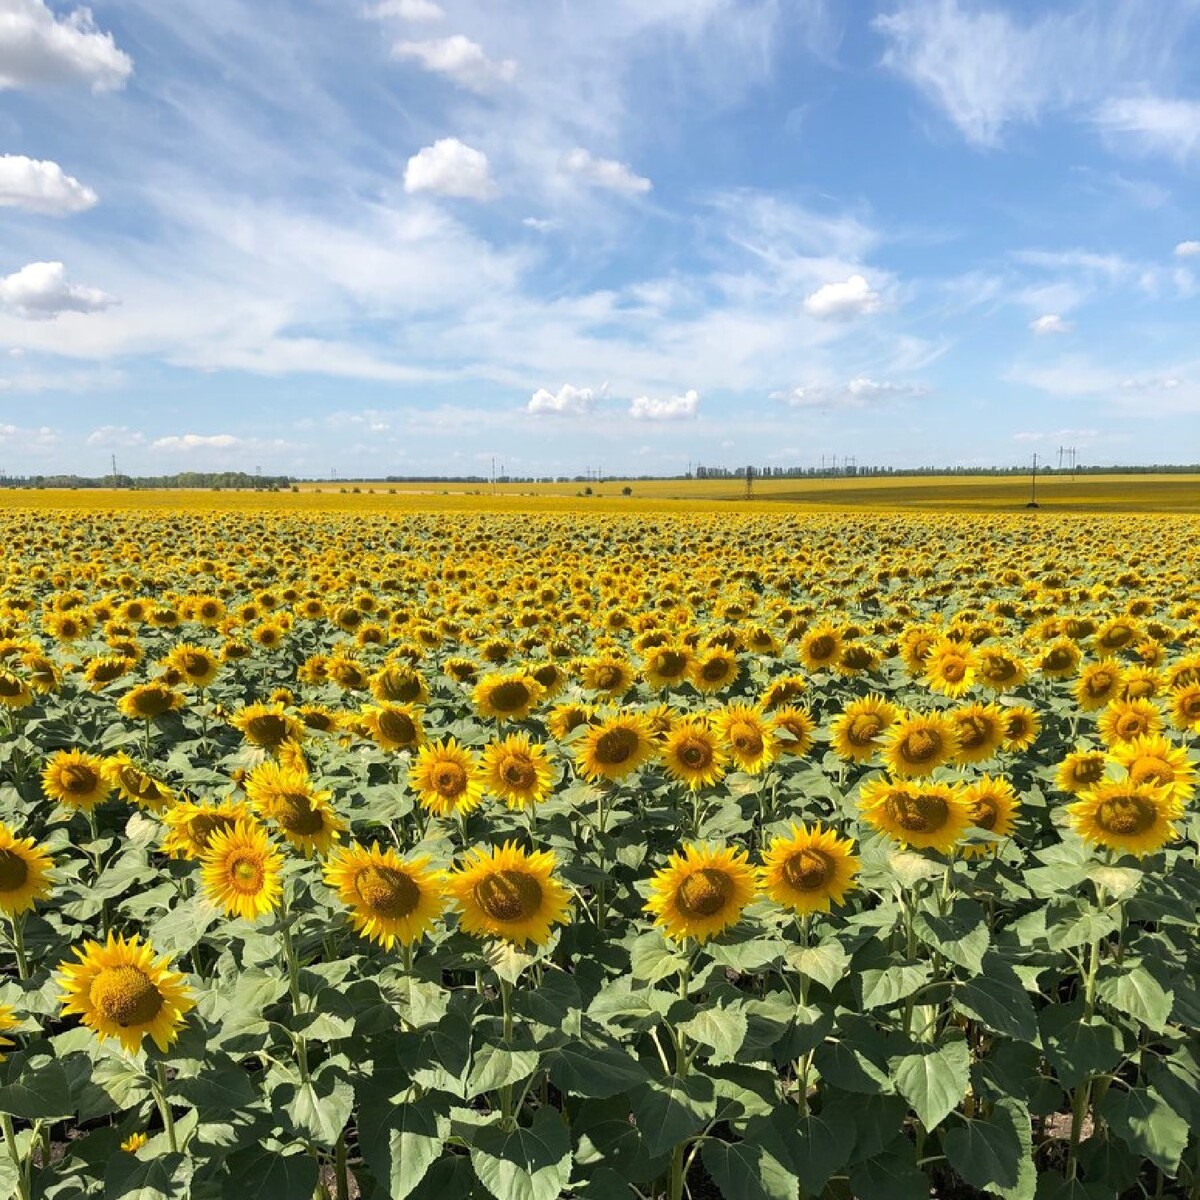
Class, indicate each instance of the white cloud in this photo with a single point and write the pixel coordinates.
(196, 441)
(33, 440)
(37, 47)
(116, 435)
(840, 301)
(1049, 323)
(40, 291)
(541, 224)
(406, 10)
(1057, 435)
(675, 408)
(1154, 124)
(1188, 249)
(450, 168)
(603, 172)
(41, 187)
(859, 392)
(567, 401)
(460, 59)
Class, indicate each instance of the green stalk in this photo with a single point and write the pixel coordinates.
(22, 1168)
(1081, 1101)
(293, 969)
(506, 1092)
(18, 928)
(158, 1084)
(341, 1174)
(678, 1171)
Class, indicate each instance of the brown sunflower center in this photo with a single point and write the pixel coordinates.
(401, 687)
(10, 685)
(1100, 684)
(616, 746)
(509, 696)
(808, 870)
(14, 871)
(974, 732)
(518, 771)
(108, 669)
(921, 746)
(1059, 659)
(985, 812)
(822, 647)
(953, 670)
(509, 895)
(863, 730)
(386, 891)
(670, 663)
(1088, 770)
(79, 779)
(397, 727)
(126, 996)
(246, 874)
(1189, 706)
(268, 729)
(704, 893)
(1131, 725)
(152, 701)
(609, 677)
(194, 664)
(999, 670)
(695, 753)
(857, 658)
(202, 826)
(715, 670)
(923, 813)
(745, 738)
(295, 812)
(1126, 815)
(1151, 769)
(449, 780)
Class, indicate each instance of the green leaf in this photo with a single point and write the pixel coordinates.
(400, 1142)
(723, 1029)
(495, 1067)
(889, 1177)
(670, 1110)
(35, 1087)
(320, 1108)
(995, 1155)
(845, 1065)
(825, 964)
(1137, 994)
(910, 868)
(261, 1174)
(222, 1086)
(524, 1164)
(580, 1069)
(1076, 1048)
(1147, 1124)
(961, 935)
(652, 958)
(996, 999)
(746, 1171)
(934, 1079)
(127, 1177)
(882, 988)
(812, 1146)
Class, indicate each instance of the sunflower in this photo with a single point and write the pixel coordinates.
(446, 778)
(76, 779)
(1127, 720)
(319, 718)
(1126, 816)
(394, 726)
(390, 899)
(1080, 770)
(701, 892)
(1060, 659)
(136, 785)
(508, 893)
(304, 815)
(667, 665)
(551, 677)
(121, 990)
(713, 670)
(994, 806)
(928, 816)
(1098, 683)
(149, 701)
(809, 870)
(749, 737)
(660, 720)
(25, 872)
(798, 723)
(999, 670)
(692, 754)
(461, 670)
(14, 691)
(857, 731)
(615, 747)
(267, 725)
(979, 729)
(240, 871)
(608, 674)
(1184, 703)
(134, 1142)
(1158, 761)
(397, 683)
(917, 743)
(190, 826)
(565, 718)
(1021, 727)
(197, 665)
(43, 674)
(1140, 683)
(517, 771)
(506, 697)
(949, 668)
(821, 647)
(781, 692)
(102, 670)
(8, 1022)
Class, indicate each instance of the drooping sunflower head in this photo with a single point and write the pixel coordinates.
(76, 779)
(918, 743)
(517, 771)
(564, 718)
(692, 753)
(190, 826)
(119, 989)
(267, 725)
(799, 728)
(240, 871)
(809, 870)
(1080, 770)
(137, 785)
(509, 697)
(1135, 818)
(389, 899)
(994, 807)
(399, 683)
(615, 747)
(701, 892)
(506, 892)
(979, 729)
(394, 726)
(149, 701)
(925, 815)
(857, 731)
(446, 778)
(26, 873)
(15, 692)
(1156, 760)
(1128, 720)
(748, 736)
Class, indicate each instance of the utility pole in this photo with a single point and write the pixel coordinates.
(116, 478)
(1033, 484)
(749, 483)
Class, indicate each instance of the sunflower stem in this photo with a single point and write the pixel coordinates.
(18, 929)
(1081, 1101)
(506, 1092)
(293, 969)
(341, 1173)
(158, 1084)
(10, 1141)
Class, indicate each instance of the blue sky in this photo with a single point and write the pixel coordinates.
(405, 236)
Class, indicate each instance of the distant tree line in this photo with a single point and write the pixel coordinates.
(181, 479)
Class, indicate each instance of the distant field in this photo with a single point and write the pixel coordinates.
(980, 493)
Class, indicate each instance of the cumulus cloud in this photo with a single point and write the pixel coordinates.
(450, 168)
(858, 392)
(38, 48)
(603, 172)
(41, 187)
(839, 301)
(116, 435)
(1049, 323)
(1057, 435)
(675, 408)
(1154, 124)
(567, 401)
(33, 439)
(460, 59)
(1188, 249)
(406, 10)
(196, 441)
(40, 291)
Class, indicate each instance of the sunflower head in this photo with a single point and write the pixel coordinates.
(799, 727)
(76, 779)
(701, 892)
(191, 826)
(809, 870)
(950, 667)
(507, 697)
(509, 893)
(615, 747)
(994, 807)
(517, 771)
(137, 785)
(149, 701)
(394, 726)
(1135, 818)
(446, 778)
(692, 753)
(748, 736)
(979, 729)
(240, 871)
(388, 899)
(26, 873)
(1157, 760)
(927, 816)
(267, 725)
(918, 743)
(857, 731)
(1080, 770)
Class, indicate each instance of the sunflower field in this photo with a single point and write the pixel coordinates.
(523, 855)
